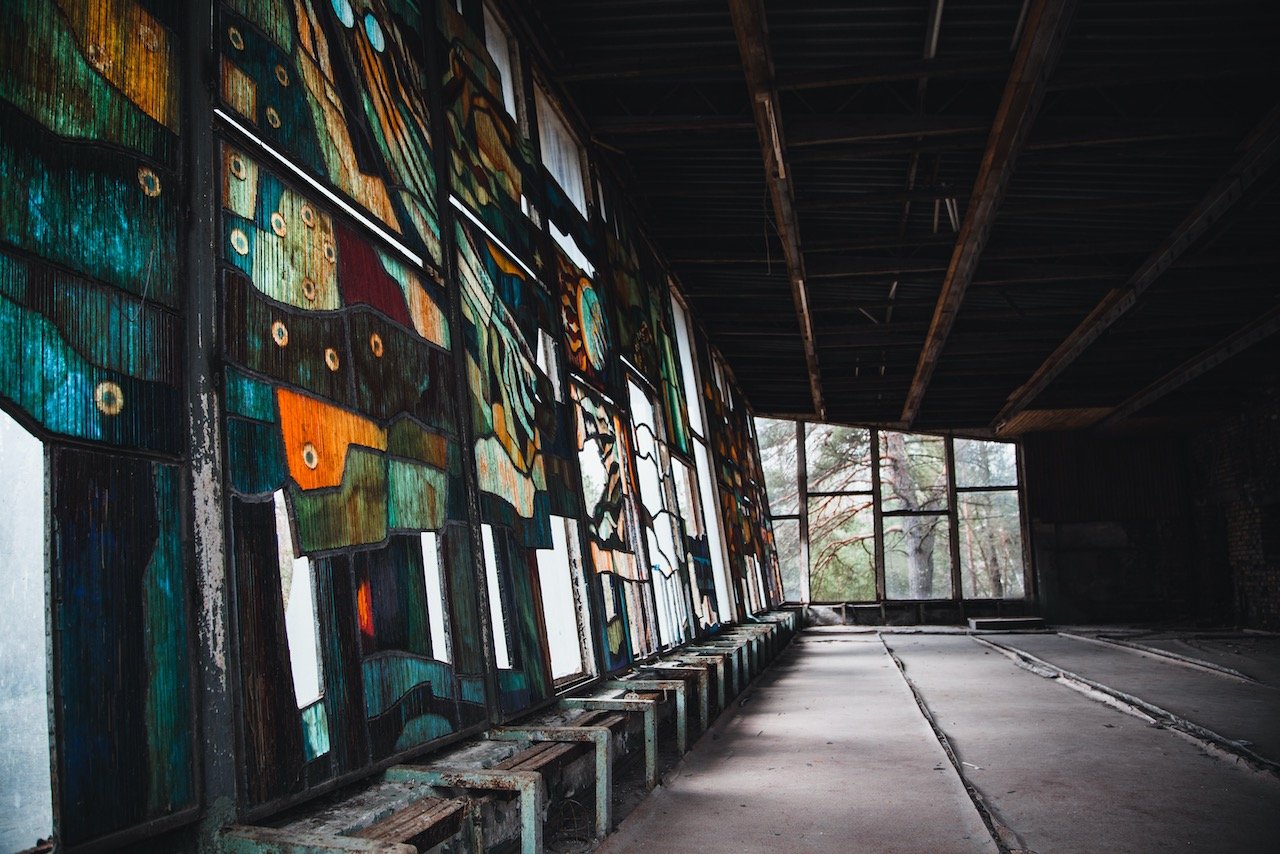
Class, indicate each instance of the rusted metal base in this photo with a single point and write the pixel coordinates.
(527, 783)
(600, 737)
(681, 690)
(242, 839)
(648, 708)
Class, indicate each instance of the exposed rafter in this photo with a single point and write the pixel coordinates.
(1261, 149)
(993, 67)
(1200, 364)
(1043, 35)
(753, 43)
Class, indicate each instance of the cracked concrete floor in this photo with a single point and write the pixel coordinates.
(830, 752)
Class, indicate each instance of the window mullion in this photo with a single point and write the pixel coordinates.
(953, 519)
(877, 511)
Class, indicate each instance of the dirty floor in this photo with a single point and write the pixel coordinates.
(833, 749)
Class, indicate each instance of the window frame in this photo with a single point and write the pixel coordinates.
(950, 512)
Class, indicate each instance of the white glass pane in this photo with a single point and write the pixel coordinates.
(573, 251)
(686, 494)
(432, 575)
(499, 47)
(715, 533)
(300, 619)
(26, 788)
(561, 153)
(497, 617)
(688, 367)
(646, 451)
(549, 361)
(672, 622)
(555, 578)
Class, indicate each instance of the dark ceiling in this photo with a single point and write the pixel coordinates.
(981, 214)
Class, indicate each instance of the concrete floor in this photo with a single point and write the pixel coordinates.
(829, 751)
(1230, 707)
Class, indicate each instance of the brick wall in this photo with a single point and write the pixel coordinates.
(1238, 474)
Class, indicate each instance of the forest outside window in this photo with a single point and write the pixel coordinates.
(865, 515)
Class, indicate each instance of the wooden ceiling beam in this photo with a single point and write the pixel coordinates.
(752, 34)
(1062, 134)
(1260, 151)
(1198, 365)
(993, 67)
(1043, 36)
(626, 125)
(850, 129)
(649, 71)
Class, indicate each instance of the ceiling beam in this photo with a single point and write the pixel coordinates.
(753, 44)
(1260, 150)
(1043, 35)
(993, 67)
(1198, 365)
(650, 71)
(623, 125)
(846, 129)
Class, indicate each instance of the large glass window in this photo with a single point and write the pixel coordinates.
(861, 514)
(990, 525)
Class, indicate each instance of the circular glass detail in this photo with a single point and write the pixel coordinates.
(331, 358)
(375, 344)
(108, 398)
(310, 457)
(277, 223)
(149, 181)
(280, 334)
(239, 242)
